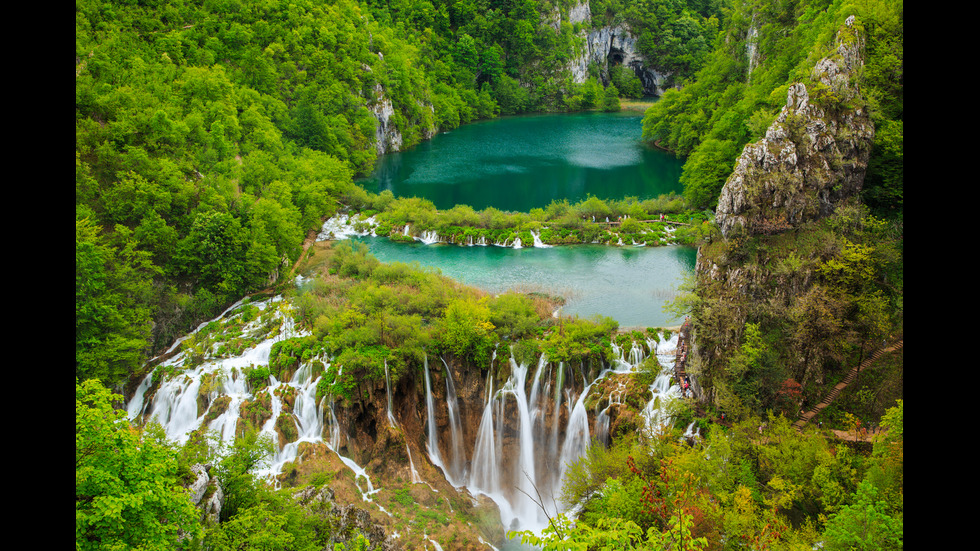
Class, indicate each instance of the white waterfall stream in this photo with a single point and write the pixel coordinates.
(175, 403)
(516, 460)
(457, 463)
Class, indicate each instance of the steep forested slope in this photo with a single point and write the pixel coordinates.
(765, 47)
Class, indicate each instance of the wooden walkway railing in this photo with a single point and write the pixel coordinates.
(839, 387)
(680, 357)
(618, 222)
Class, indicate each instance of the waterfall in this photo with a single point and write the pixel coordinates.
(334, 441)
(416, 479)
(537, 241)
(342, 226)
(175, 403)
(433, 444)
(515, 487)
(603, 418)
(457, 464)
(428, 237)
(576, 436)
(517, 457)
(307, 414)
(655, 412)
(391, 417)
(485, 471)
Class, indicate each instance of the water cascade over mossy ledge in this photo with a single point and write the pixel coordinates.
(446, 430)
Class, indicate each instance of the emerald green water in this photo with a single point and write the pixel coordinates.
(519, 163)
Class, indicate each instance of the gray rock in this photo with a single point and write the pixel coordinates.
(212, 509)
(609, 46)
(200, 484)
(812, 158)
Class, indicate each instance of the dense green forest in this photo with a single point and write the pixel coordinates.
(213, 136)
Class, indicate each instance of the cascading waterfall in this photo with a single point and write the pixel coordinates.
(485, 472)
(457, 463)
(433, 441)
(577, 436)
(662, 391)
(391, 416)
(428, 237)
(175, 403)
(307, 414)
(514, 487)
(521, 449)
(537, 241)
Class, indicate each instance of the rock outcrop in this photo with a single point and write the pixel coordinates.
(205, 493)
(812, 158)
(810, 163)
(609, 46)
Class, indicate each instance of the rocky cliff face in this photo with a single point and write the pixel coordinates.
(610, 46)
(606, 47)
(811, 161)
(387, 136)
(813, 156)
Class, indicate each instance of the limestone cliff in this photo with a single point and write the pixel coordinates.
(813, 156)
(608, 46)
(810, 163)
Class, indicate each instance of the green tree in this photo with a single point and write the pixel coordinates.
(113, 290)
(235, 471)
(215, 249)
(610, 99)
(127, 494)
(467, 330)
(865, 525)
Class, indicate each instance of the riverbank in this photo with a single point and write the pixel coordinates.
(640, 105)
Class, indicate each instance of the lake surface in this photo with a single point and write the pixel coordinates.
(520, 163)
(628, 284)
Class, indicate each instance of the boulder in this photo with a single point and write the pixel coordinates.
(205, 493)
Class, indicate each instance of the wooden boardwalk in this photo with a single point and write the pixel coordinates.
(618, 222)
(680, 357)
(839, 387)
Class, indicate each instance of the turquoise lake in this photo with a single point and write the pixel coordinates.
(628, 284)
(520, 163)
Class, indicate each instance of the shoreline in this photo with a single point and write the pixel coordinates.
(642, 233)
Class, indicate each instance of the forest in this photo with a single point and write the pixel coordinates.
(213, 137)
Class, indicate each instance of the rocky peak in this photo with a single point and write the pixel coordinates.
(812, 157)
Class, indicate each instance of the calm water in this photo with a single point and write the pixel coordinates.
(519, 163)
(628, 284)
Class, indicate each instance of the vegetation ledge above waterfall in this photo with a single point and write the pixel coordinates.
(665, 220)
